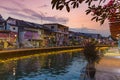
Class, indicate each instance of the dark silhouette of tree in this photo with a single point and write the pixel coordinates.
(105, 9)
(91, 53)
(92, 56)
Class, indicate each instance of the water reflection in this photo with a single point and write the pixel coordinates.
(62, 66)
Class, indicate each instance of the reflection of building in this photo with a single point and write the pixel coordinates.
(29, 34)
(27, 66)
(59, 32)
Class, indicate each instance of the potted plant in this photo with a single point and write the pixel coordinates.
(92, 56)
(114, 24)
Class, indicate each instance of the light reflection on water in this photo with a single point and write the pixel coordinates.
(62, 66)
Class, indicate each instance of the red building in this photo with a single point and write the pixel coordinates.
(115, 25)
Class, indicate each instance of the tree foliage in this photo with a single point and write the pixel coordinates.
(99, 12)
(91, 53)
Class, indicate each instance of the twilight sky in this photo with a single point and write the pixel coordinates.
(40, 11)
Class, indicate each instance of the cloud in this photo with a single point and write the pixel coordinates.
(9, 9)
(22, 15)
(44, 17)
(32, 12)
(12, 2)
(61, 19)
(56, 19)
(29, 13)
(43, 6)
(11, 5)
(19, 4)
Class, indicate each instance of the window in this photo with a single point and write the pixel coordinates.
(14, 28)
(52, 27)
(1, 25)
(64, 29)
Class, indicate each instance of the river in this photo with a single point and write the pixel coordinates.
(44, 66)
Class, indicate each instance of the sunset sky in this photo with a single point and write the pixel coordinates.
(40, 11)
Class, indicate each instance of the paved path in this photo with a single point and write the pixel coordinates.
(107, 76)
(109, 66)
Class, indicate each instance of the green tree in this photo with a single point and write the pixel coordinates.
(106, 9)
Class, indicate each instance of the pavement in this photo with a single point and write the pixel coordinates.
(109, 66)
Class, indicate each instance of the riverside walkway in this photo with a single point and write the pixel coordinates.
(109, 66)
(44, 49)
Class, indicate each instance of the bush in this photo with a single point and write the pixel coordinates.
(91, 53)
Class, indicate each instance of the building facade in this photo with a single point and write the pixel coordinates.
(60, 34)
(7, 36)
(28, 34)
(15, 33)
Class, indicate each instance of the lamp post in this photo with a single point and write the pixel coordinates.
(9, 37)
(15, 41)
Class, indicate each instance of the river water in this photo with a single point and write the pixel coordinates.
(44, 66)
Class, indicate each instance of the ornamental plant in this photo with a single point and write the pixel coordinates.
(92, 56)
(105, 9)
(91, 53)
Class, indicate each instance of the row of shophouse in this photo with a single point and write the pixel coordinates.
(15, 33)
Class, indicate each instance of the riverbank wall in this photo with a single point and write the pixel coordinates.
(31, 51)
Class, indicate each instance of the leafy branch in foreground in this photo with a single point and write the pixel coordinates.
(99, 12)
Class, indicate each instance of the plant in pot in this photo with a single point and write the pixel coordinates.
(110, 12)
(92, 56)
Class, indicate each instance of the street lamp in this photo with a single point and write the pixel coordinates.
(16, 40)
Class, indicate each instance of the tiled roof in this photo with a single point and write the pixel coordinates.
(56, 24)
(87, 34)
(1, 19)
(22, 23)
